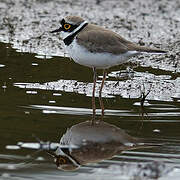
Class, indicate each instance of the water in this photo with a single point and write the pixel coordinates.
(44, 97)
(42, 93)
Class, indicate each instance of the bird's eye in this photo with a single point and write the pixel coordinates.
(62, 160)
(67, 26)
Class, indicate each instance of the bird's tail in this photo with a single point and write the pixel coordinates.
(150, 50)
(138, 146)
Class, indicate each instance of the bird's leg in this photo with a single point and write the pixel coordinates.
(100, 94)
(93, 95)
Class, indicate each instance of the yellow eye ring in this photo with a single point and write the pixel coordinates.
(62, 160)
(67, 26)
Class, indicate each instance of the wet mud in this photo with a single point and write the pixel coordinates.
(26, 25)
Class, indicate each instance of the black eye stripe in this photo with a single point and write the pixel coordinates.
(71, 28)
(62, 22)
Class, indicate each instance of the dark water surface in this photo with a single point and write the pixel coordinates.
(46, 96)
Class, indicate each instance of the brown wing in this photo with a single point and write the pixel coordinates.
(98, 39)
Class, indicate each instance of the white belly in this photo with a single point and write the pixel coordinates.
(99, 60)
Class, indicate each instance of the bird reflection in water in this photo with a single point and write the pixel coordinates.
(94, 144)
(84, 143)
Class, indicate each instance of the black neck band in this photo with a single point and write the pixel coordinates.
(68, 40)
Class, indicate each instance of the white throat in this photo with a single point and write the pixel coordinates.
(66, 34)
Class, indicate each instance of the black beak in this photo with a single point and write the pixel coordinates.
(57, 30)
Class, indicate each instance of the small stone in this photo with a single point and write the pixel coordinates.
(156, 130)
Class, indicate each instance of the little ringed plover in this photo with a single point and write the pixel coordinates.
(98, 48)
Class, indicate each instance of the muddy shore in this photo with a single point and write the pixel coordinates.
(26, 25)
